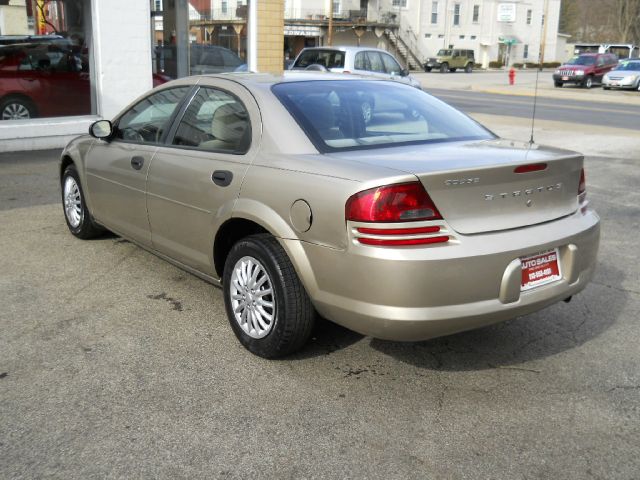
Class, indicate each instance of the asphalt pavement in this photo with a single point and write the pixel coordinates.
(115, 364)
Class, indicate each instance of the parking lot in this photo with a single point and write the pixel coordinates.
(115, 364)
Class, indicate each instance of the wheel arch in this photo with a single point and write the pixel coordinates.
(251, 217)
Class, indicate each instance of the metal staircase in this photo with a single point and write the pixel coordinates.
(407, 50)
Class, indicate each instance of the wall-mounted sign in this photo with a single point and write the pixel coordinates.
(302, 31)
(506, 12)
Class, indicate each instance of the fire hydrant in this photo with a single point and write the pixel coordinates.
(512, 76)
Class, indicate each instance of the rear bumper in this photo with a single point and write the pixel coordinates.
(417, 293)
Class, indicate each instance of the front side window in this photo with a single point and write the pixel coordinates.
(341, 115)
(391, 66)
(148, 119)
(361, 62)
(215, 121)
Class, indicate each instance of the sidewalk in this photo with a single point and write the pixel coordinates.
(497, 81)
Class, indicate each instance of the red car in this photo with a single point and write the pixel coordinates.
(44, 79)
(585, 70)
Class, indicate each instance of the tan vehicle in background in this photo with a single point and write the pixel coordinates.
(416, 223)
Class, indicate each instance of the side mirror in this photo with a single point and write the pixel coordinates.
(101, 129)
(404, 72)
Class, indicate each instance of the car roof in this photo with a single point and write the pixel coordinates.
(346, 48)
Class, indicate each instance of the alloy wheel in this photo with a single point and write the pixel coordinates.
(252, 298)
(72, 202)
(15, 111)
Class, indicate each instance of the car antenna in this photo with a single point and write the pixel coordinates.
(535, 94)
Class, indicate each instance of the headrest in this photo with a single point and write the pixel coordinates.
(319, 111)
(229, 123)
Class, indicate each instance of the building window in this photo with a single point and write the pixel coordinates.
(528, 17)
(158, 5)
(427, 35)
(400, 3)
(456, 14)
(461, 37)
(476, 13)
(525, 53)
(441, 35)
(434, 13)
(336, 7)
(224, 8)
(49, 78)
(473, 37)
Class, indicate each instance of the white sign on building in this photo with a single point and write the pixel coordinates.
(507, 12)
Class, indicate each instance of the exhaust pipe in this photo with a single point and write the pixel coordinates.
(568, 299)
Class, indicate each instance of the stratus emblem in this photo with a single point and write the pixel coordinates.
(523, 193)
(461, 181)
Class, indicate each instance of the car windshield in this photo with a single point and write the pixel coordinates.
(582, 61)
(444, 53)
(352, 115)
(326, 58)
(629, 66)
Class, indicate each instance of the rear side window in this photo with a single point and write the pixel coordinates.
(326, 58)
(375, 62)
(361, 62)
(353, 115)
(215, 121)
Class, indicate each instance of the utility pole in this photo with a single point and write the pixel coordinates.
(330, 34)
(543, 40)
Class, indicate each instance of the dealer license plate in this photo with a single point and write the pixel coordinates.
(540, 269)
(565, 78)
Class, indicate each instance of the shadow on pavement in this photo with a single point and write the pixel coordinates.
(558, 328)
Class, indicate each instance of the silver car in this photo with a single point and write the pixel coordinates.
(365, 61)
(416, 224)
(626, 75)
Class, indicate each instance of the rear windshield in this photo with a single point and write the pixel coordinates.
(353, 115)
(582, 61)
(326, 58)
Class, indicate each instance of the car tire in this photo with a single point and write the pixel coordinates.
(444, 68)
(606, 88)
(557, 84)
(76, 213)
(17, 108)
(427, 69)
(269, 325)
(453, 70)
(468, 68)
(588, 82)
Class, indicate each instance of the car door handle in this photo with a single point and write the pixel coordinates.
(137, 162)
(222, 178)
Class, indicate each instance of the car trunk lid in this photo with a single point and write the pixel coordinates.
(476, 188)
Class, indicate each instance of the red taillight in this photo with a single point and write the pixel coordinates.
(398, 231)
(582, 186)
(532, 167)
(404, 202)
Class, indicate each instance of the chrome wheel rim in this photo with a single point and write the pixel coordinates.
(252, 299)
(15, 111)
(72, 202)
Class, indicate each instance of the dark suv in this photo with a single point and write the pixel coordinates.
(585, 69)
